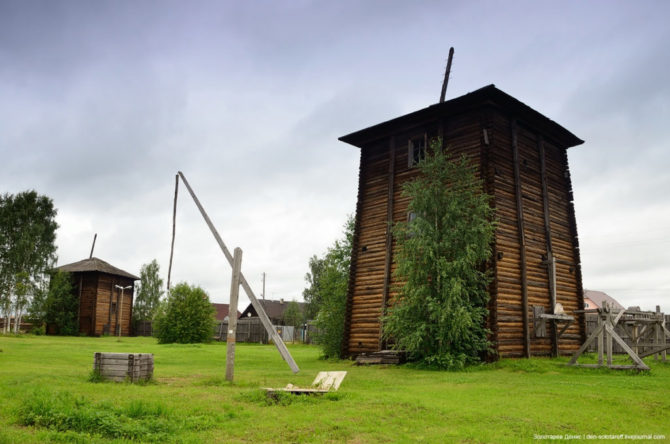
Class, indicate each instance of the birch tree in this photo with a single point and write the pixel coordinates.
(27, 250)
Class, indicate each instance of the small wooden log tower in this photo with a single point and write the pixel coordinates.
(521, 156)
(102, 309)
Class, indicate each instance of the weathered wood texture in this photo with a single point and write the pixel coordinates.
(481, 133)
(132, 367)
(100, 303)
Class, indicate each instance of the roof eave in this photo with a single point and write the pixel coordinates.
(483, 97)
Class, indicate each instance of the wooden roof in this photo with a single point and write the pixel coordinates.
(486, 96)
(598, 297)
(95, 264)
(222, 311)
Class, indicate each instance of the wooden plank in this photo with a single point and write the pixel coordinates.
(232, 320)
(522, 239)
(281, 347)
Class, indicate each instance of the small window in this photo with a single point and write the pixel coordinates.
(417, 150)
(113, 307)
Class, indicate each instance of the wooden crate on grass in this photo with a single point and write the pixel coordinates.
(132, 367)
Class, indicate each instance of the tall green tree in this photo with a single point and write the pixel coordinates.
(293, 314)
(186, 317)
(27, 249)
(149, 292)
(328, 281)
(439, 316)
(311, 294)
(61, 304)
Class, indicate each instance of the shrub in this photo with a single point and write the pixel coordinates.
(186, 317)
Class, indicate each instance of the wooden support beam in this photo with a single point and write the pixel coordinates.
(612, 334)
(232, 314)
(281, 347)
(596, 334)
(551, 262)
(522, 240)
(388, 260)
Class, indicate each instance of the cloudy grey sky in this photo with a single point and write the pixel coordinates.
(101, 103)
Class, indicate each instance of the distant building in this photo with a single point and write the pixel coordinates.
(594, 299)
(274, 309)
(222, 312)
(103, 308)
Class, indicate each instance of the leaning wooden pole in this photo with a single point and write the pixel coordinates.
(232, 314)
(95, 236)
(174, 226)
(445, 82)
(281, 347)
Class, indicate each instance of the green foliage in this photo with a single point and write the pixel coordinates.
(61, 304)
(27, 247)
(293, 314)
(311, 295)
(328, 291)
(439, 317)
(61, 411)
(148, 293)
(186, 317)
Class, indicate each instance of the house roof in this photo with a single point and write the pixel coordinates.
(95, 264)
(274, 309)
(486, 96)
(222, 311)
(599, 296)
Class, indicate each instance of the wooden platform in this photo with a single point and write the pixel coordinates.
(381, 357)
(323, 383)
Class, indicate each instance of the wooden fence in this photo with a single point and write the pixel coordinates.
(24, 327)
(592, 324)
(251, 330)
(143, 328)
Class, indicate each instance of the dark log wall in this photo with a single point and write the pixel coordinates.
(89, 284)
(509, 323)
(108, 304)
(487, 137)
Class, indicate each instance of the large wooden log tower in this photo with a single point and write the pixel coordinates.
(522, 158)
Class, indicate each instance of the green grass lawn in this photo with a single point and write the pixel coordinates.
(45, 381)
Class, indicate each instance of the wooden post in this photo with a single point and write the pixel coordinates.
(281, 347)
(600, 344)
(389, 237)
(95, 236)
(119, 323)
(551, 260)
(232, 314)
(657, 330)
(446, 75)
(522, 241)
